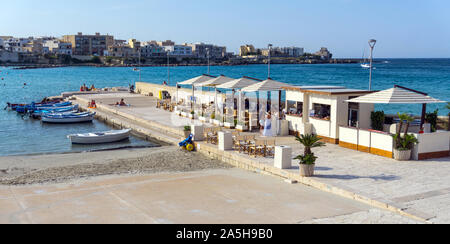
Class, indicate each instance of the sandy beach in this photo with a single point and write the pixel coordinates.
(59, 168)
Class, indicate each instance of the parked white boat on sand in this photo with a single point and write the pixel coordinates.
(100, 137)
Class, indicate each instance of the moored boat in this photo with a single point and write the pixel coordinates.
(100, 137)
(63, 118)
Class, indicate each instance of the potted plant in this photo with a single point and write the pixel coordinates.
(187, 131)
(192, 115)
(432, 118)
(241, 126)
(202, 117)
(230, 125)
(378, 118)
(403, 145)
(308, 159)
(218, 121)
(212, 118)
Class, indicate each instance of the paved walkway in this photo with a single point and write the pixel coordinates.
(421, 188)
(205, 197)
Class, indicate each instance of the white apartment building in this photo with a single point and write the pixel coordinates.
(16, 44)
(58, 47)
(179, 50)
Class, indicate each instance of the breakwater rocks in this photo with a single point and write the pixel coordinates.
(237, 62)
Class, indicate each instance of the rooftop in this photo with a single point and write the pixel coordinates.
(327, 90)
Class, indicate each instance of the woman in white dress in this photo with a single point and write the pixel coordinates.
(268, 126)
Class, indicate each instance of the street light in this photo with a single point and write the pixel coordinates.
(168, 67)
(139, 50)
(270, 51)
(207, 53)
(372, 43)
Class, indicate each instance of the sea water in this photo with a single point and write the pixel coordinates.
(26, 136)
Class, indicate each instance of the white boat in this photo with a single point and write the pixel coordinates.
(68, 118)
(365, 66)
(100, 137)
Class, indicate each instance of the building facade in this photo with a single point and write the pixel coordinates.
(247, 50)
(122, 51)
(87, 45)
(166, 43)
(34, 46)
(324, 53)
(291, 52)
(149, 50)
(179, 50)
(201, 50)
(58, 47)
(12, 44)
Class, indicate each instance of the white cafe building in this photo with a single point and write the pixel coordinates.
(323, 109)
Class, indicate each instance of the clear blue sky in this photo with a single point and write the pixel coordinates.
(403, 28)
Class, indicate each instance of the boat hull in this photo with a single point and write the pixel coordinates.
(68, 119)
(95, 138)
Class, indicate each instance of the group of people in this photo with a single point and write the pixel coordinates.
(85, 88)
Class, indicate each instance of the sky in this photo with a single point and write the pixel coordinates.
(403, 28)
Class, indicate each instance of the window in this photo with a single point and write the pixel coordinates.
(294, 108)
(321, 111)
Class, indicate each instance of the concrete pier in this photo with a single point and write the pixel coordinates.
(347, 173)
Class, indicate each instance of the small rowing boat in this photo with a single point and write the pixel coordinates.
(68, 118)
(100, 137)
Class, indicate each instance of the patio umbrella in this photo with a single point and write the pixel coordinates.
(267, 86)
(238, 84)
(220, 80)
(398, 95)
(194, 81)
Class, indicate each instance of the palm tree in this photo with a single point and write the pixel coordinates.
(309, 142)
(448, 107)
(407, 140)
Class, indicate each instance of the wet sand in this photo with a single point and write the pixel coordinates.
(60, 168)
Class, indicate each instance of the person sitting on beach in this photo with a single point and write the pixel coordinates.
(165, 83)
(92, 88)
(121, 103)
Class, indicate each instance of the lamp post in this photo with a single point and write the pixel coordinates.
(139, 50)
(372, 46)
(270, 52)
(168, 67)
(207, 53)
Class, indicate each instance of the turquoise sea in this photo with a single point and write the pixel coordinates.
(25, 136)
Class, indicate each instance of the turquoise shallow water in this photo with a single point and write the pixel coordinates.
(18, 136)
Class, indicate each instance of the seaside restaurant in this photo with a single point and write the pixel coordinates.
(343, 116)
(322, 109)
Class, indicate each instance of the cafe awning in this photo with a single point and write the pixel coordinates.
(396, 95)
(196, 80)
(239, 83)
(267, 85)
(192, 82)
(399, 95)
(215, 82)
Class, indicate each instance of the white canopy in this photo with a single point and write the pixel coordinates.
(197, 80)
(267, 85)
(215, 82)
(238, 84)
(396, 95)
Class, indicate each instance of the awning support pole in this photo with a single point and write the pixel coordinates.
(424, 112)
